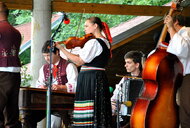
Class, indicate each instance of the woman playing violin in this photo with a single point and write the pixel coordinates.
(92, 106)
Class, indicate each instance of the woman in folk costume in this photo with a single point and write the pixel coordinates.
(92, 108)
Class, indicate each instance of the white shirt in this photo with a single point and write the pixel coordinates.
(117, 89)
(73, 51)
(180, 46)
(72, 74)
(119, 94)
(10, 69)
(92, 49)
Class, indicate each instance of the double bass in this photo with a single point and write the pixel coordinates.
(156, 106)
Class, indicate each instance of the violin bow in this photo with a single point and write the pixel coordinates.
(79, 22)
(78, 27)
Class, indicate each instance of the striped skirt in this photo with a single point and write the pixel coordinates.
(92, 107)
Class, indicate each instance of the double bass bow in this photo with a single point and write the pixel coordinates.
(162, 74)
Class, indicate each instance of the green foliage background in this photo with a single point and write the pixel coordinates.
(18, 17)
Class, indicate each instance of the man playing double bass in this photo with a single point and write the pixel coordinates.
(180, 46)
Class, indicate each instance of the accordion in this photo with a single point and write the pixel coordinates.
(131, 89)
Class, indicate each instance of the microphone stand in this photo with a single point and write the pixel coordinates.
(118, 103)
(48, 94)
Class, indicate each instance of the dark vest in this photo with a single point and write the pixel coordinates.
(10, 40)
(101, 60)
(61, 74)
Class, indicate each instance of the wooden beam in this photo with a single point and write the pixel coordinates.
(19, 4)
(114, 9)
(137, 35)
(60, 0)
(17, 1)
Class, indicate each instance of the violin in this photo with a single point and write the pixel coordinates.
(73, 42)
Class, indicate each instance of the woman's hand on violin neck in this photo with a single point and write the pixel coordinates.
(57, 45)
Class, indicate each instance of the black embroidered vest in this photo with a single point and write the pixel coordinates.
(101, 60)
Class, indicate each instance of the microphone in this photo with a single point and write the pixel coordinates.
(66, 19)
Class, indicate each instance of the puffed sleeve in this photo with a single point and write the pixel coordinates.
(72, 75)
(91, 49)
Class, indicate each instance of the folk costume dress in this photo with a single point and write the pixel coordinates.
(92, 107)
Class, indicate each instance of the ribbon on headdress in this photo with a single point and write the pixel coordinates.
(106, 30)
